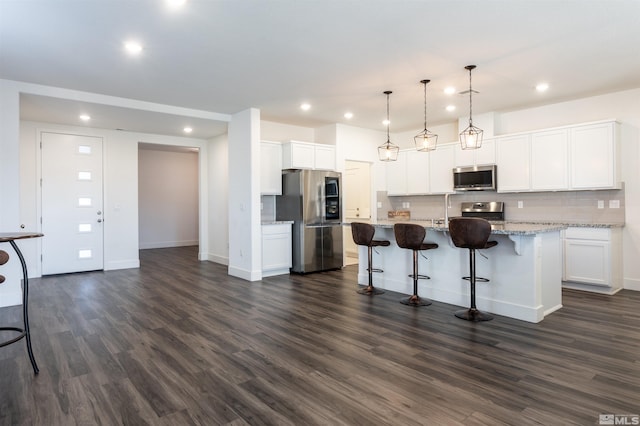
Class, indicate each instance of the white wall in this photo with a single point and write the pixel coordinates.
(218, 165)
(168, 198)
(279, 132)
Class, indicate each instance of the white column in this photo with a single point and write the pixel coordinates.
(245, 256)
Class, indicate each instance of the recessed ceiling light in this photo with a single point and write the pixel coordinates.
(188, 130)
(305, 107)
(450, 108)
(348, 115)
(175, 4)
(542, 87)
(450, 90)
(85, 117)
(133, 47)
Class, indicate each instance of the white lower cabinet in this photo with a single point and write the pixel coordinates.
(593, 259)
(276, 249)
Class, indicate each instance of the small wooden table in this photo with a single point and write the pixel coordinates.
(11, 237)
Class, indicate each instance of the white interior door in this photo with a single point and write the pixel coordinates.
(357, 203)
(72, 211)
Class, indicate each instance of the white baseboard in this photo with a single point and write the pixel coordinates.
(167, 244)
(245, 274)
(122, 264)
(631, 284)
(223, 260)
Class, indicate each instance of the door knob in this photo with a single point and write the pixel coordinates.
(99, 220)
(99, 212)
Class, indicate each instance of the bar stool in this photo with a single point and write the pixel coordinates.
(411, 236)
(472, 233)
(363, 236)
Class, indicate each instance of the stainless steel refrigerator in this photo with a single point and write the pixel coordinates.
(313, 200)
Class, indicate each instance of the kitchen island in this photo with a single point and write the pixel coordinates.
(524, 269)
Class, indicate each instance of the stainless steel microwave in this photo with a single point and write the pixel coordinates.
(475, 178)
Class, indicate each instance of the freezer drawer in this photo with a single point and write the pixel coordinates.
(317, 248)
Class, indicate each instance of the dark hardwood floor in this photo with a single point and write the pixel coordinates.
(180, 342)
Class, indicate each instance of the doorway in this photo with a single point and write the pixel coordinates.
(357, 202)
(168, 196)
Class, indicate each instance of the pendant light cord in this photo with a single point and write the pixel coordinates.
(470, 101)
(388, 121)
(425, 106)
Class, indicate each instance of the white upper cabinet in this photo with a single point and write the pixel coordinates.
(324, 157)
(270, 168)
(513, 161)
(306, 155)
(417, 172)
(582, 157)
(594, 155)
(549, 160)
(486, 154)
(441, 169)
(421, 173)
(397, 175)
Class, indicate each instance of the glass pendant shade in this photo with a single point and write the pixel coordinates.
(388, 151)
(471, 137)
(425, 140)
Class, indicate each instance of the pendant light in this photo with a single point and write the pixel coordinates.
(471, 137)
(425, 140)
(388, 151)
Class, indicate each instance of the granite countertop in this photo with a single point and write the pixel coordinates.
(502, 228)
(506, 228)
(276, 222)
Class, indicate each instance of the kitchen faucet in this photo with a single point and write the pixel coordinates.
(446, 209)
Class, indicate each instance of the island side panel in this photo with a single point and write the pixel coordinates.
(522, 286)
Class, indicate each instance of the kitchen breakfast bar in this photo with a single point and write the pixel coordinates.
(524, 269)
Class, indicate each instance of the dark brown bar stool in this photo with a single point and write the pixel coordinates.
(411, 236)
(363, 236)
(472, 233)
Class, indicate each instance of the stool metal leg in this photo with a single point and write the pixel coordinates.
(25, 310)
(472, 314)
(370, 290)
(414, 299)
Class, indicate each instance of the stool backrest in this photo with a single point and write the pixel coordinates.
(409, 235)
(469, 232)
(362, 233)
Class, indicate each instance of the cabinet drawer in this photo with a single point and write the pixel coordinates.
(598, 234)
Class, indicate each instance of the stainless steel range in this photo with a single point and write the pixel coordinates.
(490, 210)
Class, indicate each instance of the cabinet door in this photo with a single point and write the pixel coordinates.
(397, 175)
(441, 170)
(464, 157)
(592, 156)
(270, 168)
(486, 154)
(587, 261)
(549, 160)
(276, 248)
(298, 155)
(512, 155)
(325, 157)
(417, 172)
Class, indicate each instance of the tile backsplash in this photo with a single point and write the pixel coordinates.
(566, 206)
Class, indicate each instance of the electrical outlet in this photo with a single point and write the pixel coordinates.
(379, 204)
(614, 204)
(520, 204)
(601, 204)
(408, 206)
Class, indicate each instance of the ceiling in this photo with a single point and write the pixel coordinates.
(225, 56)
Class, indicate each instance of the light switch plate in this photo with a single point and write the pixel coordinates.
(520, 204)
(614, 204)
(601, 204)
